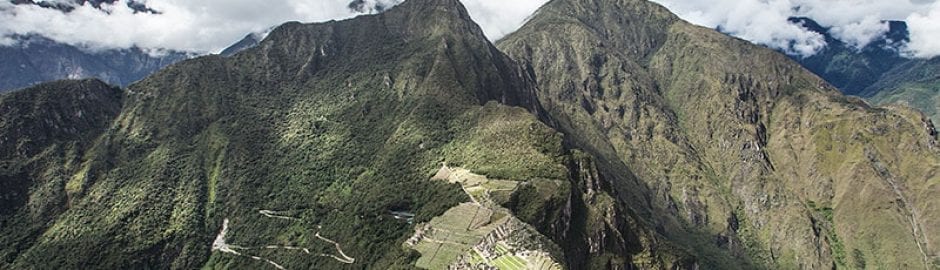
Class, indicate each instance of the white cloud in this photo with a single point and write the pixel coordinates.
(862, 32)
(856, 22)
(500, 17)
(201, 26)
(925, 33)
(211, 25)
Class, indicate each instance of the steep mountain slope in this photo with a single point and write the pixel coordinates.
(734, 141)
(303, 152)
(850, 69)
(47, 122)
(45, 132)
(915, 84)
(37, 59)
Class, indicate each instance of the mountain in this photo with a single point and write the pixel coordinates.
(854, 69)
(604, 134)
(249, 41)
(731, 149)
(915, 84)
(36, 59)
(332, 127)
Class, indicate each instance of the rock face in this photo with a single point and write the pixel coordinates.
(36, 59)
(636, 140)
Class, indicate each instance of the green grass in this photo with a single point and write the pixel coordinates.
(459, 229)
(510, 262)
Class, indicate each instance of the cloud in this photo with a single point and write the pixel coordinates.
(211, 25)
(925, 33)
(856, 22)
(198, 26)
(498, 18)
(372, 6)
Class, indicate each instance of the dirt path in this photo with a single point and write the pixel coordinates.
(273, 214)
(346, 259)
(221, 245)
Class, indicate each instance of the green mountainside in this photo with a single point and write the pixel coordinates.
(604, 134)
(915, 84)
(733, 142)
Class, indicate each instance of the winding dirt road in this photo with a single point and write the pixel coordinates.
(221, 245)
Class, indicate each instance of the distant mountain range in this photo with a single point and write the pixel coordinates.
(35, 59)
(877, 72)
(852, 69)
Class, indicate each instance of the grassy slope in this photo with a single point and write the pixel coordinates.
(708, 123)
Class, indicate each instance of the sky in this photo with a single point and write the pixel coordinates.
(208, 26)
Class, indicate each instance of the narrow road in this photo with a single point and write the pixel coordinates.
(346, 259)
(273, 214)
(221, 245)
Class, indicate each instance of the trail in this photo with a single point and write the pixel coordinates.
(220, 244)
(273, 214)
(345, 259)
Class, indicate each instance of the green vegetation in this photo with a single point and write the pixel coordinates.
(510, 262)
(835, 244)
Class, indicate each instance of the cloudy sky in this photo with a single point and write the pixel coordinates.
(211, 25)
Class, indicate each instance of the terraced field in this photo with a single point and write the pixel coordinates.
(457, 236)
